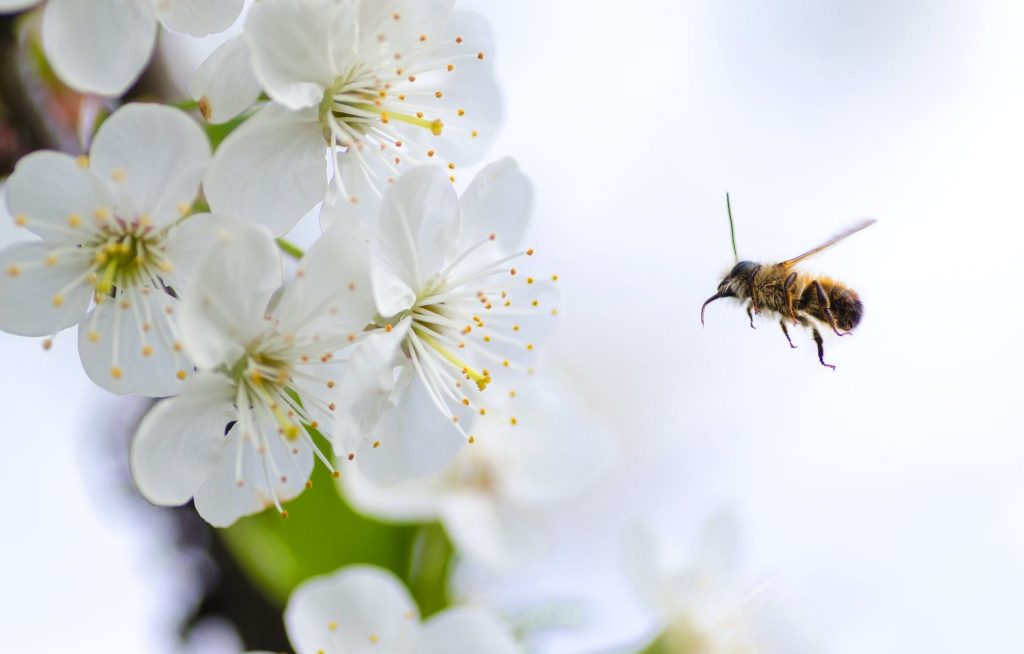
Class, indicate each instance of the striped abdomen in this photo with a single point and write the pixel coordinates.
(844, 303)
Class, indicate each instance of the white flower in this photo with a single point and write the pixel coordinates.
(492, 497)
(458, 315)
(101, 46)
(235, 439)
(110, 234)
(381, 85)
(363, 609)
(700, 608)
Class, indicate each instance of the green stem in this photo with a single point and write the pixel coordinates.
(289, 248)
(431, 559)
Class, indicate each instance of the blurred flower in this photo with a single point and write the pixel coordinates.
(235, 438)
(700, 608)
(452, 307)
(491, 499)
(101, 46)
(111, 233)
(367, 609)
(381, 85)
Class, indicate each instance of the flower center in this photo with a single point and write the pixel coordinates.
(125, 254)
(359, 104)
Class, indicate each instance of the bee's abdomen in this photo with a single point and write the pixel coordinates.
(846, 307)
(844, 303)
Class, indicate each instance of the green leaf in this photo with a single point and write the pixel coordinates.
(321, 534)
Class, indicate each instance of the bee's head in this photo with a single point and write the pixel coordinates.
(735, 284)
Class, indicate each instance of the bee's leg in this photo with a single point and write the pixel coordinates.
(821, 350)
(789, 295)
(826, 308)
(750, 314)
(782, 323)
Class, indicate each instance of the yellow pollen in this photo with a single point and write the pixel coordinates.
(145, 221)
(511, 393)
(166, 266)
(515, 328)
(438, 95)
(384, 117)
(461, 112)
(118, 174)
(483, 412)
(20, 220)
(147, 351)
(535, 303)
(480, 56)
(396, 17)
(451, 178)
(505, 363)
(419, 114)
(474, 133)
(554, 278)
(47, 344)
(82, 161)
(529, 346)
(376, 444)
(116, 372)
(204, 107)
(93, 336)
(472, 439)
(451, 165)
(101, 214)
(529, 252)
(181, 375)
(13, 271)
(423, 37)
(512, 421)
(374, 638)
(450, 67)
(58, 300)
(465, 401)
(529, 280)
(388, 327)
(74, 220)
(458, 39)
(333, 626)
(309, 484)
(177, 346)
(284, 515)
(182, 208)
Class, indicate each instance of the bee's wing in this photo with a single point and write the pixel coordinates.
(789, 263)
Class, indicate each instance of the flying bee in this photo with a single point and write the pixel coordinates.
(805, 299)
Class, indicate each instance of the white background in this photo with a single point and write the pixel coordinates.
(883, 504)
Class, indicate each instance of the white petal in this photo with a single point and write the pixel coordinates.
(225, 306)
(180, 441)
(155, 156)
(466, 630)
(499, 201)
(198, 17)
(50, 192)
(187, 243)
(38, 299)
(417, 231)
(271, 171)
(296, 47)
(381, 34)
(121, 355)
(224, 85)
(331, 294)
(98, 46)
(555, 451)
(368, 388)
(357, 610)
(413, 500)
(222, 500)
(496, 534)
(355, 191)
(16, 5)
(415, 439)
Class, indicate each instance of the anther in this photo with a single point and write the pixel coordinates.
(58, 300)
(480, 56)
(147, 350)
(74, 220)
(47, 344)
(351, 456)
(376, 444)
(116, 372)
(20, 220)
(181, 375)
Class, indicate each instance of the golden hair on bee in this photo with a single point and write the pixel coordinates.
(779, 289)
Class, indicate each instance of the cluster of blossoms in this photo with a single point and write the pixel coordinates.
(398, 350)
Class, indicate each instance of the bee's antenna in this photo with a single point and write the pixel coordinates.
(732, 230)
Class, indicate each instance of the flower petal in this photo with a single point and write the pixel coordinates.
(353, 194)
(55, 197)
(224, 307)
(224, 85)
(331, 295)
(357, 610)
(385, 25)
(187, 243)
(283, 465)
(297, 46)
(414, 439)
(127, 346)
(495, 533)
(180, 441)
(271, 171)
(499, 201)
(98, 46)
(199, 17)
(38, 299)
(466, 630)
(16, 5)
(416, 233)
(155, 156)
(412, 500)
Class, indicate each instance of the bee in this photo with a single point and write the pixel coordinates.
(792, 295)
